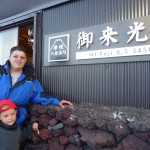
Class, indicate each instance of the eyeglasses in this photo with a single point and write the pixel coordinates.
(17, 57)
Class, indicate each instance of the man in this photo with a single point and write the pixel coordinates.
(19, 84)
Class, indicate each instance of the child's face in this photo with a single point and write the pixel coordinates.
(8, 117)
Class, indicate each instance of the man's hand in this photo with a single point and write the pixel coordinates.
(64, 102)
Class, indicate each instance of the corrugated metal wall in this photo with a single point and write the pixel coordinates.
(38, 26)
(119, 84)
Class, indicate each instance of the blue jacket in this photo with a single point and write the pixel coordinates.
(26, 90)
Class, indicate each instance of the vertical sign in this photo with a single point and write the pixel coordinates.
(58, 48)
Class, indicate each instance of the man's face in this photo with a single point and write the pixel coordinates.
(17, 60)
(8, 117)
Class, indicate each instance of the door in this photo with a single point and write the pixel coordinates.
(8, 39)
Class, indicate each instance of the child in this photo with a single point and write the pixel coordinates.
(10, 133)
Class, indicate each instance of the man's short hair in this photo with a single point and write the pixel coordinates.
(18, 48)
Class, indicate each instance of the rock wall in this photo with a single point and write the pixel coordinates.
(72, 128)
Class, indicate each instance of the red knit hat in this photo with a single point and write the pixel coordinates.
(8, 103)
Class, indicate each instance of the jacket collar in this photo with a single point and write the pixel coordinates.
(8, 127)
(28, 69)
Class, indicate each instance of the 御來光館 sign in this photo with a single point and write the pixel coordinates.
(117, 40)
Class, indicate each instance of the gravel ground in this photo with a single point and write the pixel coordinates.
(135, 115)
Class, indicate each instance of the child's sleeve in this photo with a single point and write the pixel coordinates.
(26, 132)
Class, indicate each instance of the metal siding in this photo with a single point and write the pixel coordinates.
(119, 84)
(37, 59)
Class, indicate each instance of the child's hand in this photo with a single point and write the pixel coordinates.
(35, 126)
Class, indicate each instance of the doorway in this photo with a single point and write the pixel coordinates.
(26, 30)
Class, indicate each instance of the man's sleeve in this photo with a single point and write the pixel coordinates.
(40, 97)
